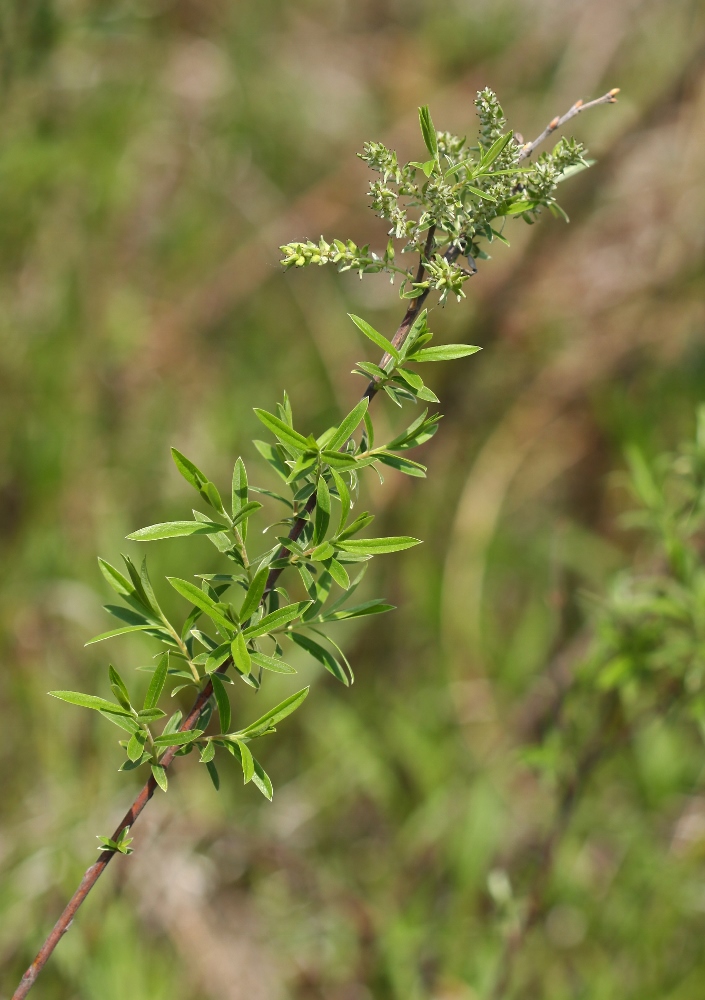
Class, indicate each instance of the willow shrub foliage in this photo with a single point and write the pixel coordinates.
(238, 624)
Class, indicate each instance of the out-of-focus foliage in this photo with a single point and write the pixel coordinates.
(153, 156)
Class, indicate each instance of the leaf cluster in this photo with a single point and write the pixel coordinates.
(450, 205)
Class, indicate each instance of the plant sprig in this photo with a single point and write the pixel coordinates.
(237, 622)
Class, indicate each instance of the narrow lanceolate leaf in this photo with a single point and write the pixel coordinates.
(339, 574)
(254, 594)
(208, 752)
(174, 529)
(160, 777)
(247, 761)
(271, 663)
(118, 631)
(135, 748)
(495, 149)
(274, 715)
(247, 510)
(118, 687)
(150, 715)
(222, 701)
(156, 685)
(191, 473)
(239, 489)
(213, 772)
(348, 426)
(378, 546)
(120, 584)
(323, 656)
(322, 511)
(89, 701)
(177, 739)
(428, 131)
(261, 780)
(375, 336)
(196, 596)
(479, 193)
(125, 722)
(444, 352)
(287, 435)
(404, 465)
(341, 460)
(343, 496)
(376, 607)
(277, 619)
(241, 655)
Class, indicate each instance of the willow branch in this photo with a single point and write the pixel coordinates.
(93, 873)
(609, 98)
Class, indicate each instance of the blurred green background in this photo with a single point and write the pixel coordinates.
(153, 155)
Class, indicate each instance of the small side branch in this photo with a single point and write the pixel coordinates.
(609, 98)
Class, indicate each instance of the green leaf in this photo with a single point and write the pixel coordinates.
(342, 460)
(174, 529)
(262, 781)
(156, 684)
(274, 715)
(239, 487)
(348, 426)
(123, 721)
(131, 765)
(118, 687)
(247, 761)
(322, 552)
(271, 454)
(360, 522)
(494, 151)
(120, 584)
(517, 207)
(208, 752)
(222, 701)
(404, 465)
(159, 774)
(117, 631)
(287, 435)
(271, 663)
(89, 701)
(135, 748)
(177, 739)
(344, 497)
(376, 337)
(479, 193)
(255, 592)
(444, 352)
(428, 131)
(277, 619)
(196, 596)
(245, 512)
(323, 656)
(241, 655)
(379, 546)
(371, 369)
(375, 607)
(215, 658)
(322, 511)
(150, 715)
(191, 473)
(213, 772)
(411, 378)
(339, 574)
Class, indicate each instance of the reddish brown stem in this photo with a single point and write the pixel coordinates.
(93, 873)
